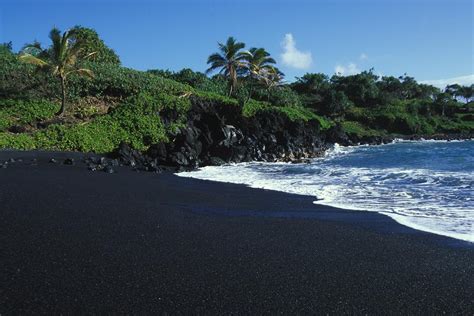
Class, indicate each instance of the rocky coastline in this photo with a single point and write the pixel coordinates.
(216, 134)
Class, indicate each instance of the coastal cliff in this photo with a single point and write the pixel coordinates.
(216, 133)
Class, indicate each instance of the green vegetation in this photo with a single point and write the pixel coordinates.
(113, 103)
(355, 128)
(60, 59)
(136, 121)
(230, 60)
(22, 112)
(92, 44)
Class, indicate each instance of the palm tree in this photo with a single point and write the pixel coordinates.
(60, 59)
(259, 63)
(271, 77)
(230, 60)
(258, 59)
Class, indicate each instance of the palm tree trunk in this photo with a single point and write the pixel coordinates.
(250, 93)
(233, 81)
(252, 87)
(63, 98)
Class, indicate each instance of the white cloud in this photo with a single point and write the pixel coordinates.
(442, 83)
(363, 56)
(293, 57)
(350, 69)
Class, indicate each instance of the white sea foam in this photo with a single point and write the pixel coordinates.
(436, 201)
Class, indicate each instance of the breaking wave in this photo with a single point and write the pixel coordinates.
(425, 185)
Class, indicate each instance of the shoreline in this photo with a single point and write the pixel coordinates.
(91, 242)
(95, 161)
(376, 221)
(399, 219)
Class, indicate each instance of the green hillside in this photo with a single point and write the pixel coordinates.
(107, 103)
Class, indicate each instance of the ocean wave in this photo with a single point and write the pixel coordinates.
(433, 199)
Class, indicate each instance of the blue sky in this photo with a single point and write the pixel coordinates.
(430, 40)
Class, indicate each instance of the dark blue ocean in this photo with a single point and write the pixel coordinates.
(426, 185)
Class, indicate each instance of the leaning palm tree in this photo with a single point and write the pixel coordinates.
(259, 63)
(230, 60)
(61, 59)
(258, 59)
(271, 77)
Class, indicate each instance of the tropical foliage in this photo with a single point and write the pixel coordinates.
(256, 65)
(91, 43)
(112, 103)
(61, 59)
(230, 60)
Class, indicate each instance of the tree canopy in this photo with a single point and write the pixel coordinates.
(91, 42)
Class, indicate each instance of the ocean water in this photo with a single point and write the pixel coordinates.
(426, 185)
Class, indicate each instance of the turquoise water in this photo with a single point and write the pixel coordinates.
(425, 185)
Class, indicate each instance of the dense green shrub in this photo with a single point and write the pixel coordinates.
(19, 80)
(251, 107)
(299, 113)
(324, 123)
(216, 98)
(359, 130)
(295, 113)
(447, 125)
(112, 80)
(92, 43)
(284, 96)
(217, 84)
(189, 77)
(399, 118)
(17, 141)
(13, 112)
(278, 96)
(361, 88)
(136, 121)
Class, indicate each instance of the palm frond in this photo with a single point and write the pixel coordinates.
(64, 45)
(90, 55)
(269, 60)
(55, 70)
(55, 36)
(30, 59)
(215, 58)
(85, 72)
(72, 54)
(213, 67)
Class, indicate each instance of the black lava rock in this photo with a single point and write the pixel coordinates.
(92, 167)
(115, 162)
(216, 134)
(109, 169)
(69, 161)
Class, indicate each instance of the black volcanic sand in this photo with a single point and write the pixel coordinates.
(75, 241)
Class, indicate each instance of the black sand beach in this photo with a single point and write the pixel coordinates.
(74, 241)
